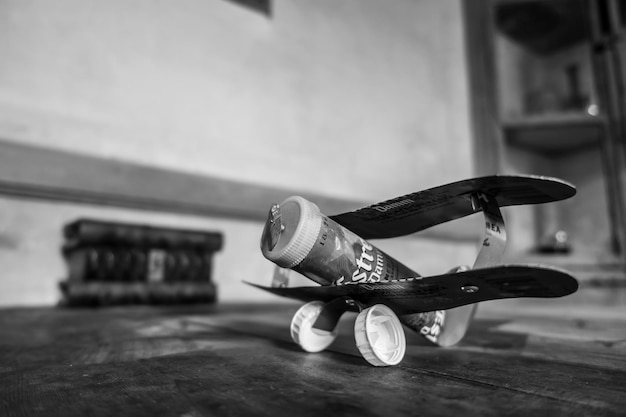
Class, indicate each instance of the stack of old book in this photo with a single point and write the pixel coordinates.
(117, 263)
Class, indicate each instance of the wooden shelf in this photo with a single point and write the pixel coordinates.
(561, 357)
(554, 134)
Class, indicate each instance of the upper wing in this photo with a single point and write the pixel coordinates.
(423, 209)
(446, 291)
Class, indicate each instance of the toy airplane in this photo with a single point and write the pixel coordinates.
(356, 276)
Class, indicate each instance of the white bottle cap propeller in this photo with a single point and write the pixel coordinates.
(300, 225)
(379, 336)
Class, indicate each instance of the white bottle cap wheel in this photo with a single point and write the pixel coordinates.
(303, 333)
(379, 336)
(302, 222)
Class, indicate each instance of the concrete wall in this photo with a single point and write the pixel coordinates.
(323, 95)
(359, 99)
(512, 61)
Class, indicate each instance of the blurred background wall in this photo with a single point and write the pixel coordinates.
(306, 98)
(350, 100)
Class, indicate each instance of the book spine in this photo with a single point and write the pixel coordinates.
(86, 232)
(102, 294)
(130, 264)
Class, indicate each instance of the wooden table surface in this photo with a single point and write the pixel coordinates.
(530, 357)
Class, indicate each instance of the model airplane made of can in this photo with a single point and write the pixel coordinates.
(354, 275)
